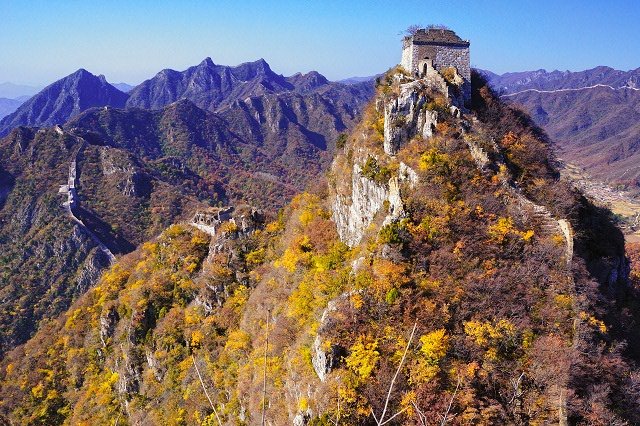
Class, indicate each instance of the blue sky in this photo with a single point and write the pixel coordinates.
(41, 41)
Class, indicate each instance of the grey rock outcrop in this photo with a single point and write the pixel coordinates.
(325, 359)
(108, 321)
(354, 213)
(406, 116)
(302, 418)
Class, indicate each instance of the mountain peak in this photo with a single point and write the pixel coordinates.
(207, 62)
(259, 67)
(308, 81)
(81, 73)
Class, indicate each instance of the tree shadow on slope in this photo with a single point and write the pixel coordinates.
(104, 231)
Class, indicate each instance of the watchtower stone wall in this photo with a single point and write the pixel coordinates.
(443, 47)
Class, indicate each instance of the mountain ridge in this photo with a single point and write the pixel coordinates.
(541, 79)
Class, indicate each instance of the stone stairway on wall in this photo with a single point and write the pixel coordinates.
(545, 223)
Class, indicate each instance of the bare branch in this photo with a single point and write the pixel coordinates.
(395, 376)
(516, 385)
(421, 416)
(204, 388)
(335, 422)
(392, 417)
(374, 417)
(264, 370)
(446, 414)
(411, 29)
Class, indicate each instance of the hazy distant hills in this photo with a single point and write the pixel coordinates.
(59, 101)
(593, 116)
(356, 80)
(14, 91)
(123, 87)
(7, 106)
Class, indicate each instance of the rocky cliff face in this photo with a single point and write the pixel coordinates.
(411, 112)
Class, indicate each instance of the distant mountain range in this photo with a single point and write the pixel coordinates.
(186, 140)
(512, 82)
(355, 80)
(7, 106)
(14, 91)
(593, 116)
(209, 86)
(123, 87)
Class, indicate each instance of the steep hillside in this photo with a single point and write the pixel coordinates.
(139, 170)
(263, 149)
(63, 99)
(442, 273)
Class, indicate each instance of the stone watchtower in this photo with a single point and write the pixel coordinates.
(440, 48)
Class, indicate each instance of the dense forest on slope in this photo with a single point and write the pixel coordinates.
(462, 299)
(47, 258)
